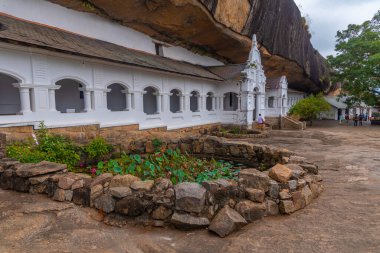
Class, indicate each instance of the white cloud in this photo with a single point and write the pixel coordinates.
(329, 16)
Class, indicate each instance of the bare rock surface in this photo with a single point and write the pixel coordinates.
(254, 179)
(186, 221)
(338, 221)
(190, 197)
(280, 173)
(42, 168)
(226, 222)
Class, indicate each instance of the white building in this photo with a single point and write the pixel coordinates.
(70, 68)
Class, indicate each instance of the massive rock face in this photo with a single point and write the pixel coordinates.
(223, 29)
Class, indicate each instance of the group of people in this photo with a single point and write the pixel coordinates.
(357, 119)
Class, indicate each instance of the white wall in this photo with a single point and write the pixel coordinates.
(96, 76)
(94, 26)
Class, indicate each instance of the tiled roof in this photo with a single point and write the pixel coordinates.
(228, 72)
(21, 32)
(273, 83)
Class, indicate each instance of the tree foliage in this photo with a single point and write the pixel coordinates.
(310, 107)
(357, 63)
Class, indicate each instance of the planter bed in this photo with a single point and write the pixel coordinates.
(286, 184)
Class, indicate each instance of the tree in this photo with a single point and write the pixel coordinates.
(357, 63)
(310, 107)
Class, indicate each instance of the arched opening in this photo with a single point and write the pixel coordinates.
(116, 98)
(175, 101)
(194, 101)
(10, 103)
(150, 100)
(230, 101)
(210, 104)
(69, 98)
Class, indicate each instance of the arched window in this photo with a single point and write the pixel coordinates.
(150, 101)
(194, 101)
(230, 101)
(210, 102)
(116, 98)
(175, 101)
(10, 103)
(70, 97)
(270, 102)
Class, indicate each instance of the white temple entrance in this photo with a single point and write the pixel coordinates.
(176, 101)
(10, 103)
(117, 98)
(150, 101)
(231, 101)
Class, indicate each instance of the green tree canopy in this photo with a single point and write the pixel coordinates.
(357, 63)
(310, 107)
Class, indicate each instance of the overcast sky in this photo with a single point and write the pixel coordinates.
(329, 16)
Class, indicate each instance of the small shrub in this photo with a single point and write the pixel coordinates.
(50, 147)
(157, 144)
(98, 149)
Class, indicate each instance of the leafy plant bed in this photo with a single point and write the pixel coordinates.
(171, 164)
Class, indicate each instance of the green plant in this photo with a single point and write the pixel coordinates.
(157, 144)
(98, 149)
(310, 107)
(170, 164)
(49, 147)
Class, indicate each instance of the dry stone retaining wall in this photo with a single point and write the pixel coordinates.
(221, 205)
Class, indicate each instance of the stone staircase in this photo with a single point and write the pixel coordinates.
(288, 123)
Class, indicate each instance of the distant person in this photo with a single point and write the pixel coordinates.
(261, 121)
(340, 119)
(347, 118)
(356, 119)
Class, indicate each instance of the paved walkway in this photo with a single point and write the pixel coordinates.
(346, 218)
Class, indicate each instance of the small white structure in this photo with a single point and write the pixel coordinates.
(338, 108)
(276, 98)
(66, 74)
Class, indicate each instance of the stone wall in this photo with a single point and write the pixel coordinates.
(275, 122)
(222, 205)
(292, 124)
(116, 135)
(3, 141)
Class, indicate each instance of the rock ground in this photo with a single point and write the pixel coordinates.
(345, 218)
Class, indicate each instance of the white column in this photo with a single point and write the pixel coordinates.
(186, 105)
(239, 102)
(221, 103)
(24, 91)
(181, 100)
(165, 102)
(52, 106)
(129, 101)
(139, 106)
(199, 102)
(204, 103)
(213, 107)
(87, 100)
(158, 100)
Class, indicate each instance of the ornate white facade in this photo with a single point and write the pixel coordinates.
(48, 82)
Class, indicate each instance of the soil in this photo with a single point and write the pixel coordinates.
(345, 218)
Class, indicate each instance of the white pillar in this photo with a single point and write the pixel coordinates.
(129, 101)
(221, 103)
(24, 91)
(239, 102)
(187, 102)
(213, 103)
(158, 100)
(166, 102)
(181, 100)
(87, 100)
(138, 96)
(203, 107)
(52, 106)
(199, 103)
